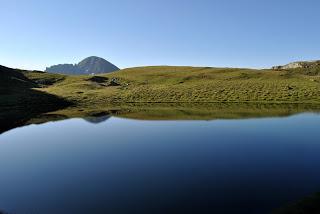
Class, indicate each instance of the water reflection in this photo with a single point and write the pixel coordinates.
(123, 166)
(164, 111)
(306, 205)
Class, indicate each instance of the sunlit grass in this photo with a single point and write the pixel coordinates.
(190, 84)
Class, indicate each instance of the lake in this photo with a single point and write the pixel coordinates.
(120, 165)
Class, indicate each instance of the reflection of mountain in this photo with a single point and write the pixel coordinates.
(97, 120)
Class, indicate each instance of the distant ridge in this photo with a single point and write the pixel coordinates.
(93, 64)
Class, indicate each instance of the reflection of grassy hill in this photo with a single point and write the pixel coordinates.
(189, 111)
(211, 111)
(189, 84)
(173, 111)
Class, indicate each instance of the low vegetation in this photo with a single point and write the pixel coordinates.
(187, 84)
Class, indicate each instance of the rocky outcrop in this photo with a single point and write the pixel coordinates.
(294, 65)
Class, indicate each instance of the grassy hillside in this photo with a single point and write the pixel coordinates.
(189, 84)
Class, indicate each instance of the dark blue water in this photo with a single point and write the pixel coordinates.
(130, 166)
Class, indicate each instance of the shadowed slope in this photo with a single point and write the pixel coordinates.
(20, 101)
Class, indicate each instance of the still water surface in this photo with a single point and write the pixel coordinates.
(131, 166)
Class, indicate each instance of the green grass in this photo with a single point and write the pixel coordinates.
(188, 84)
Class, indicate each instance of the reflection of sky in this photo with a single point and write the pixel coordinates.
(119, 164)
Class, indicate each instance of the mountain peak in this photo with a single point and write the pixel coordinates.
(92, 64)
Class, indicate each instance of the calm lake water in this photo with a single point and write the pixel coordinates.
(132, 166)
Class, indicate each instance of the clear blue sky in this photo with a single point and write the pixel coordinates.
(228, 33)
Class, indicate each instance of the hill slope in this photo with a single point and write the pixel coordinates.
(182, 84)
(89, 65)
(191, 84)
(11, 79)
(20, 100)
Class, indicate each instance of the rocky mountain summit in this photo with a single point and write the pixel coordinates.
(301, 64)
(93, 64)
